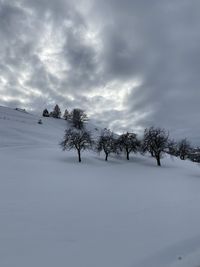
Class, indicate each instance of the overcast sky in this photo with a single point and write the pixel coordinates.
(129, 64)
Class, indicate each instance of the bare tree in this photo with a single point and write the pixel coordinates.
(106, 143)
(184, 148)
(172, 147)
(156, 142)
(128, 143)
(76, 139)
(78, 117)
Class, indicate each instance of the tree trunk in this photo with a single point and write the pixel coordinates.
(79, 155)
(158, 160)
(127, 155)
(106, 158)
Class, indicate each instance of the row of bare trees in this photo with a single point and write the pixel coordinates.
(107, 142)
(155, 140)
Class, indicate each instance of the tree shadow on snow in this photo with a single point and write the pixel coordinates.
(74, 160)
(111, 160)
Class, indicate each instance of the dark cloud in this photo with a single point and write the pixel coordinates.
(156, 41)
(130, 63)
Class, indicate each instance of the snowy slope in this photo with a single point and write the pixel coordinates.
(55, 211)
(18, 128)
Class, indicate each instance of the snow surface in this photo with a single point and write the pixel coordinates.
(55, 211)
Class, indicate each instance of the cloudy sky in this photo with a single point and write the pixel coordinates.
(129, 64)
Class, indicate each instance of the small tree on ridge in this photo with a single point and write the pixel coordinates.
(56, 113)
(78, 117)
(45, 113)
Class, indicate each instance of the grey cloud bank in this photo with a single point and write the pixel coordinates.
(129, 64)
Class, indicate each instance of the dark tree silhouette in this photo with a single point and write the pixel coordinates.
(156, 142)
(184, 148)
(78, 117)
(66, 115)
(172, 148)
(128, 143)
(76, 139)
(194, 154)
(45, 113)
(56, 113)
(106, 143)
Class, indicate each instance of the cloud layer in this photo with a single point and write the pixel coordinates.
(129, 64)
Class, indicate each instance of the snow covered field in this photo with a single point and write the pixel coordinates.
(55, 211)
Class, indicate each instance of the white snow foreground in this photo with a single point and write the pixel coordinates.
(55, 211)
